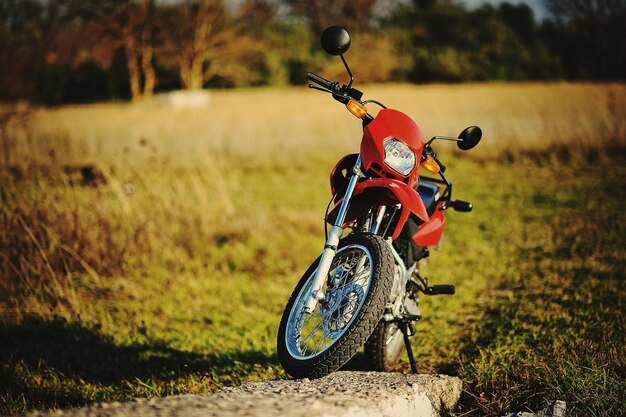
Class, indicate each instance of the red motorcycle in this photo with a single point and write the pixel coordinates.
(363, 289)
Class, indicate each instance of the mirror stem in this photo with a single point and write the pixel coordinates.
(444, 138)
(349, 72)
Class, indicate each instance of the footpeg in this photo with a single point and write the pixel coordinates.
(440, 289)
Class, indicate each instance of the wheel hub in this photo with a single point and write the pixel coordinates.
(341, 307)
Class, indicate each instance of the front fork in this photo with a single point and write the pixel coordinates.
(330, 249)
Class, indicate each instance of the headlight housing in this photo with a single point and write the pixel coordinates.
(399, 157)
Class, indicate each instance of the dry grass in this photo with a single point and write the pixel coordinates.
(283, 125)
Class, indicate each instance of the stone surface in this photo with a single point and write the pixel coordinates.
(354, 394)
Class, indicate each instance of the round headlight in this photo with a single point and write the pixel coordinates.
(399, 157)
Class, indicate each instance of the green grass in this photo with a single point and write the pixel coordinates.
(554, 327)
(169, 273)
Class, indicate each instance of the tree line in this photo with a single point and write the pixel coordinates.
(58, 51)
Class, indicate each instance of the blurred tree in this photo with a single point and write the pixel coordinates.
(258, 12)
(590, 37)
(448, 43)
(132, 23)
(520, 18)
(18, 23)
(495, 50)
(358, 15)
(87, 60)
(355, 15)
(109, 25)
(28, 29)
(207, 45)
(84, 50)
(283, 43)
(137, 23)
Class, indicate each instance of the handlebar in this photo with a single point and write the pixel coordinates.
(340, 93)
(319, 80)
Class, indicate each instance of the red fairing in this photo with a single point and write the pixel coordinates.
(382, 191)
(391, 123)
(429, 233)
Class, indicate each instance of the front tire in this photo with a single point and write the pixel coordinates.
(314, 344)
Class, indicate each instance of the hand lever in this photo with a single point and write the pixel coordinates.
(316, 87)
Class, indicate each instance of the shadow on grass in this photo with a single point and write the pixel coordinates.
(37, 356)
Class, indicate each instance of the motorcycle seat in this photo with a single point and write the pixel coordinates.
(429, 193)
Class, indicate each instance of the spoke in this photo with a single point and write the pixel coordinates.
(315, 313)
(309, 337)
(355, 280)
(348, 301)
(361, 263)
(319, 343)
(347, 262)
(362, 276)
(345, 279)
(308, 319)
(314, 328)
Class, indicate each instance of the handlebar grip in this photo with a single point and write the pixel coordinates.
(319, 80)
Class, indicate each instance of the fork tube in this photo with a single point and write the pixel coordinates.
(379, 219)
(333, 240)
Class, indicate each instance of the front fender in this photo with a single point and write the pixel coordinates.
(374, 192)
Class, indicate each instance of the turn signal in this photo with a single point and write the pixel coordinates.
(356, 108)
(430, 165)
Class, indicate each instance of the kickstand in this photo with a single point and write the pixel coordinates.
(404, 327)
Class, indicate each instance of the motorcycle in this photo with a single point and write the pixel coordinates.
(363, 290)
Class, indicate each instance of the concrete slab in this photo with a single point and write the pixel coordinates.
(344, 393)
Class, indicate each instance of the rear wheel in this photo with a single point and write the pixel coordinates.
(315, 343)
(384, 347)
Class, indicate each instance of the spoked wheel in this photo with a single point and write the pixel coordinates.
(315, 343)
(384, 347)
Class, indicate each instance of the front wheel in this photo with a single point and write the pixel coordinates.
(315, 343)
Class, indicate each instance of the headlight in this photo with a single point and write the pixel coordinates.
(399, 157)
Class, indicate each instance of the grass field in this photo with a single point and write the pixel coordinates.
(148, 251)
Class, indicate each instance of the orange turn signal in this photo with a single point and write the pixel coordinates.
(356, 108)
(430, 165)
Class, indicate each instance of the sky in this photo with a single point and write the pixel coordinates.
(537, 6)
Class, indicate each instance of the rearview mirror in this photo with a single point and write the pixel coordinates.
(335, 40)
(469, 138)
